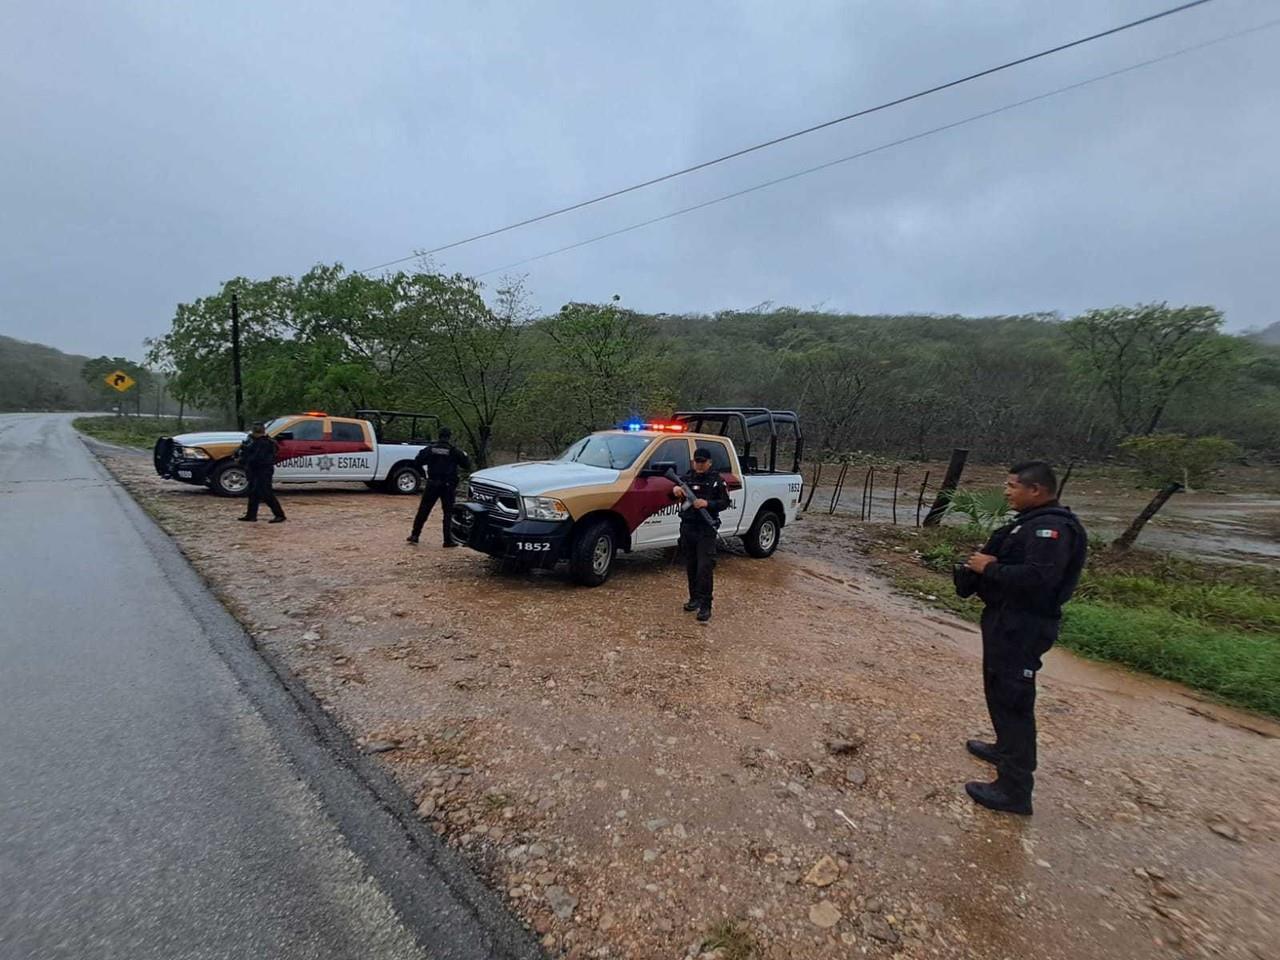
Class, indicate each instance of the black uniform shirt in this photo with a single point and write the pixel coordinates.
(1039, 557)
(258, 453)
(442, 460)
(707, 486)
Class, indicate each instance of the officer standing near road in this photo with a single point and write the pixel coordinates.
(258, 457)
(441, 461)
(697, 535)
(1026, 572)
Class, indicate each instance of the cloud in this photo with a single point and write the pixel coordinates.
(155, 150)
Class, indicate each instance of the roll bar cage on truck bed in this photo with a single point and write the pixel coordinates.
(717, 420)
(384, 419)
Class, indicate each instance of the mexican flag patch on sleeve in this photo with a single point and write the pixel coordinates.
(1047, 534)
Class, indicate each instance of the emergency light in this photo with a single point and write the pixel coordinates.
(635, 426)
(315, 413)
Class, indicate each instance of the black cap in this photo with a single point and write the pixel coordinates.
(445, 433)
(702, 453)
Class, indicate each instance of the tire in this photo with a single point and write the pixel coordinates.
(591, 557)
(404, 480)
(229, 479)
(762, 539)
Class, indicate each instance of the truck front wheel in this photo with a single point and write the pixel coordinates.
(229, 479)
(591, 558)
(762, 539)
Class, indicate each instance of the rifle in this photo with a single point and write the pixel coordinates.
(690, 496)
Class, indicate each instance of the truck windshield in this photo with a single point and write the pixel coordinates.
(611, 451)
(276, 424)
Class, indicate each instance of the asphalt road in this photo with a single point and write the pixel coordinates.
(162, 793)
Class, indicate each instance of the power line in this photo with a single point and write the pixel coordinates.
(886, 146)
(791, 136)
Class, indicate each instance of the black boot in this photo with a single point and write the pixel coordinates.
(983, 750)
(280, 519)
(247, 518)
(704, 613)
(411, 538)
(691, 606)
(451, 543)
(994, 797)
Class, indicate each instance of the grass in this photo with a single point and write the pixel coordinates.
(1214, 627)
(732, 938)
(135, 431)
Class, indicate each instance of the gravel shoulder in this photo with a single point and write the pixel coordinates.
(791, 773)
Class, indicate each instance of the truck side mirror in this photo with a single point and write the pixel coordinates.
(658, 468)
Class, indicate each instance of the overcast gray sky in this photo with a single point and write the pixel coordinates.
(152, 150)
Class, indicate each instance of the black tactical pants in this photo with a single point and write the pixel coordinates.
(260, 492)
(444, 492)
(699, 545)
(1013, 642)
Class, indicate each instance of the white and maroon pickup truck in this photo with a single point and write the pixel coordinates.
(609, 491)
(314, 447)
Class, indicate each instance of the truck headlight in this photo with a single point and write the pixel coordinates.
(192, 453)
(544, 508)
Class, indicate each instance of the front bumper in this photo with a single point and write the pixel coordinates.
(539, 543)
(172, 467)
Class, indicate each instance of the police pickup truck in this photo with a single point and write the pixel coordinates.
(313, 447)
(609, 491)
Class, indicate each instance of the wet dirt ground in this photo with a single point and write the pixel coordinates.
(631, 779)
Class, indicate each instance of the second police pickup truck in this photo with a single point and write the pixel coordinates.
(313, 447)
(608, 491)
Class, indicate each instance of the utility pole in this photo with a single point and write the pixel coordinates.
(235, 359)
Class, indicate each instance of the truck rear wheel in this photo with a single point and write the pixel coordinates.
(404, 480)
(591, 558)
(762, 539)
(229, 479)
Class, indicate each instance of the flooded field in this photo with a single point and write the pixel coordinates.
(1237, 520)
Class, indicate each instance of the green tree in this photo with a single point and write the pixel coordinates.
(468, 354)
(1142, 356)
(1175, 462)
(95, 373)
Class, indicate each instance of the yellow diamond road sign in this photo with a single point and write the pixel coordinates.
(119, 381)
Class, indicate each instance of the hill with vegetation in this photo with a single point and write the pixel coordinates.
(912, 386)
(36, 377)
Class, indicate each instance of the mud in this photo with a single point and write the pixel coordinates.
(631, 779)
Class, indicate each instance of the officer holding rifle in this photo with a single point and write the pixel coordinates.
(704, 491)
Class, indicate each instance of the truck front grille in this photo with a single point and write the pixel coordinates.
(503, 502)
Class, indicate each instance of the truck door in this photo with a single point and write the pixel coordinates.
(663, 524)
(723, 462)
(298, 453)
(349, 452)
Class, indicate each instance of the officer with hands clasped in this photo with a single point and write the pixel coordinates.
(1025, 573)
(441, 461)
(697, 535)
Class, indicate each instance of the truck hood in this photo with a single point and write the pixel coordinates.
(536, 477)
(210, 438)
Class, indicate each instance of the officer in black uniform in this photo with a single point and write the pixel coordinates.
(697, 536)
(441, 461)
(257, 454)
(1026, 572)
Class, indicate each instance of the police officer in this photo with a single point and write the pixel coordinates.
(1025, 573)
(441, 461)
(697, 535)
(257, 455)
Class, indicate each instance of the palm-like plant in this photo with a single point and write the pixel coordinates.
(984, 509)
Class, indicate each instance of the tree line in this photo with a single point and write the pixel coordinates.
(912, 386)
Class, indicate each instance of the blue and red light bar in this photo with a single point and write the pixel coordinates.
(664, 426)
